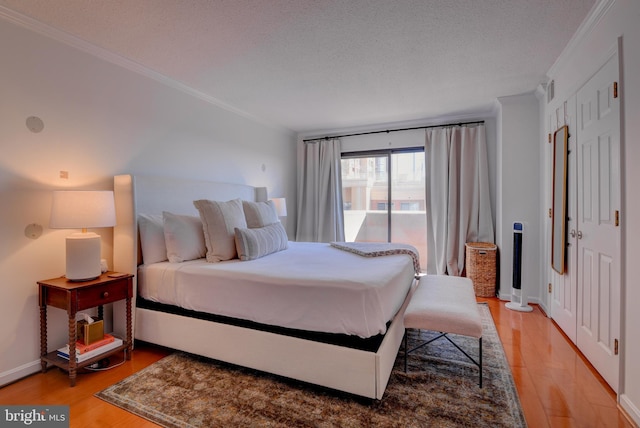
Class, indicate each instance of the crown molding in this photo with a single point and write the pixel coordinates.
(119, 60)
(599, 10)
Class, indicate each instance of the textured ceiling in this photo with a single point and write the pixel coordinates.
(329, 64)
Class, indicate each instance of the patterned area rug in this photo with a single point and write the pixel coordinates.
(439, 390)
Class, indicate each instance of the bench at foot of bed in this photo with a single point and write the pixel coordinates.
(446, 304)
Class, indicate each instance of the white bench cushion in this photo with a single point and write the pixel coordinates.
(446, 304)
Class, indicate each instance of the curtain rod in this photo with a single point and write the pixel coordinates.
(477, 122)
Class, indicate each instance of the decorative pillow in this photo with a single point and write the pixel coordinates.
(183, 236)
(154, 249)
(259, 214)
(219, 220)
(255, 243)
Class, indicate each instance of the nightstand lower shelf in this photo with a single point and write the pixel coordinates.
(54, 359)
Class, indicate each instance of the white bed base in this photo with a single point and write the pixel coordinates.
(350, 370)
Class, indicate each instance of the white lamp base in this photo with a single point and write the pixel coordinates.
(83, 256)
(517, 307)
(517, 302)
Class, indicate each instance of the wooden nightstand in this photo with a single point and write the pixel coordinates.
(77, 296)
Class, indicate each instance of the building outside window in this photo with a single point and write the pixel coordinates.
(384, 197)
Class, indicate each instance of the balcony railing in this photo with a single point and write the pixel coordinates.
(408, 227)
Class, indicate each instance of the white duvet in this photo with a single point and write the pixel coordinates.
(309, 286)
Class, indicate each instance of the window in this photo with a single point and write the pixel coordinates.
(409, 206)
(384, 197)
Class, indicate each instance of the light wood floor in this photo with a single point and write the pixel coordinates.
(557, 387)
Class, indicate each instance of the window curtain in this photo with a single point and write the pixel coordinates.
(458, 204)
(320, 215)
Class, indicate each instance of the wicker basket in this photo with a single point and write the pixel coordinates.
(481, 267)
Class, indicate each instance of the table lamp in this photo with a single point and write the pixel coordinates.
(281, 206)
(82, 209)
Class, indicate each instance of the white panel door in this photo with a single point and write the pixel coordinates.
(598, 233)
(564, 287)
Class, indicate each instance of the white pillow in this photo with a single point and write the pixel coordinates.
(183, 236)
(152, 243)
(219, 219)
(258, 242)
(260, 214)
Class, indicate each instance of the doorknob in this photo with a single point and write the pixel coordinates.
(579, 234)
(573, 233)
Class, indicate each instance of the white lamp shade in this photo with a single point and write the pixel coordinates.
(82, 209)
(281, 206)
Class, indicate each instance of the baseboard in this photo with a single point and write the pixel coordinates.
(630, 408)
(544, 309)
(505, 296)
(20, 372)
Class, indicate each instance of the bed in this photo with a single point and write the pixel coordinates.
(285, 313)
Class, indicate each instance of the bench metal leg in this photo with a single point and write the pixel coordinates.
(478, 363)
(480, 359)
(406, 350)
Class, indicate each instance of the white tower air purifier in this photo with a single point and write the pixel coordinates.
(518, 300)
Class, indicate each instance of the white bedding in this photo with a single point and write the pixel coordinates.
(309, 286)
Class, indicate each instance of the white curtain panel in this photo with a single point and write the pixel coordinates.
(458, 203)
(320, 215)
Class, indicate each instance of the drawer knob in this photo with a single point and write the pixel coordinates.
(105, 294)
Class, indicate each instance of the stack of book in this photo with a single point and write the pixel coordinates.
(85, 352)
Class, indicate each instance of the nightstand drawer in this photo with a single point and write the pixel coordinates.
(101, 294)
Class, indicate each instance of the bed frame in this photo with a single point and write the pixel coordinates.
(354, 371)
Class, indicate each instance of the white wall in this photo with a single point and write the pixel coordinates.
(518, 198)
(581, 59)
(100, 120)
